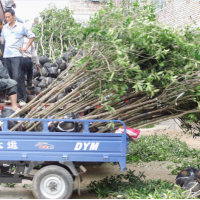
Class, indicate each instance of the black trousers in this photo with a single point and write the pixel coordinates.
(13, 65)
(2, 51)
(27, 66)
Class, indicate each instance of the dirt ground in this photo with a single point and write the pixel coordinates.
(152, 170)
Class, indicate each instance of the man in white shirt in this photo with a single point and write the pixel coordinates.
(12, 36)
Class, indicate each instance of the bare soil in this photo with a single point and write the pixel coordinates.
(152, 170)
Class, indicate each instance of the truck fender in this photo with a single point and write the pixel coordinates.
(71, 166)
(32, 165)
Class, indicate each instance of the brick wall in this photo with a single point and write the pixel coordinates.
(176, 13)
(84, 7)
(180, 12)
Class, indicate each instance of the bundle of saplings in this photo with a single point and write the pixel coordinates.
(128, 67)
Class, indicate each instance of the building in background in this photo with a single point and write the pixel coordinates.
(171, 12)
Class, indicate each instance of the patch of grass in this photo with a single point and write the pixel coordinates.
(9, 185)
(149, 126)
(131, 186)
(159, 148)
(192, 163)
(26, 185)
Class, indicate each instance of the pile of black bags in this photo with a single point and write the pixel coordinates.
(48, 72)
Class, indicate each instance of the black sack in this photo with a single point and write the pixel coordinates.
(68, 90)
(31, 91)
(60, 96)
(35, 82)
(67, 56)
(6, 113)
(38, 90)
(54, 64)
(47, 65)
(42, 84)
(63, 66)
(53, 100)
(44, 71)
(59, 61)
(185, 174)
(30, 97)
(43, 59)
(192, 184)
(51, 127)
(48, 80)
(41, 78)
(35, 73)
(53, 71)
(69, 126)
(73, 50)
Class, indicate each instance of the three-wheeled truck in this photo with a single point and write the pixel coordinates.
(58, 154)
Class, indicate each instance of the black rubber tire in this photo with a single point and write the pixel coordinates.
(52, 169)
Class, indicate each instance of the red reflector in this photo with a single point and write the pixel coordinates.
(81, 114)
(127, 101)
(1, 108)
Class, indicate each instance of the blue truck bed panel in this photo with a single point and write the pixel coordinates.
(59, 146)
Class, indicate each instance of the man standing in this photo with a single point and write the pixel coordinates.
(29, 57)
(35, 21)
(12, 36)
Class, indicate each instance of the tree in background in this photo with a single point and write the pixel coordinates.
(56, 32)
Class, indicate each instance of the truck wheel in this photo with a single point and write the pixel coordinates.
(52, 182)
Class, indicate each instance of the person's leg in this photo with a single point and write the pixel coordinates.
(29, 73)
(17, 75)
(23, 68)
(12, 93)
(13, 99)
(8, 66)
(19, 20)
(28, 66)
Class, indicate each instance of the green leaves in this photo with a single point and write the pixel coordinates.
(116, 87)
(159, 148)
(138, 86)
(56, 30)
(110, 31)
(126, 49)
(131, 186)
(111, 77)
